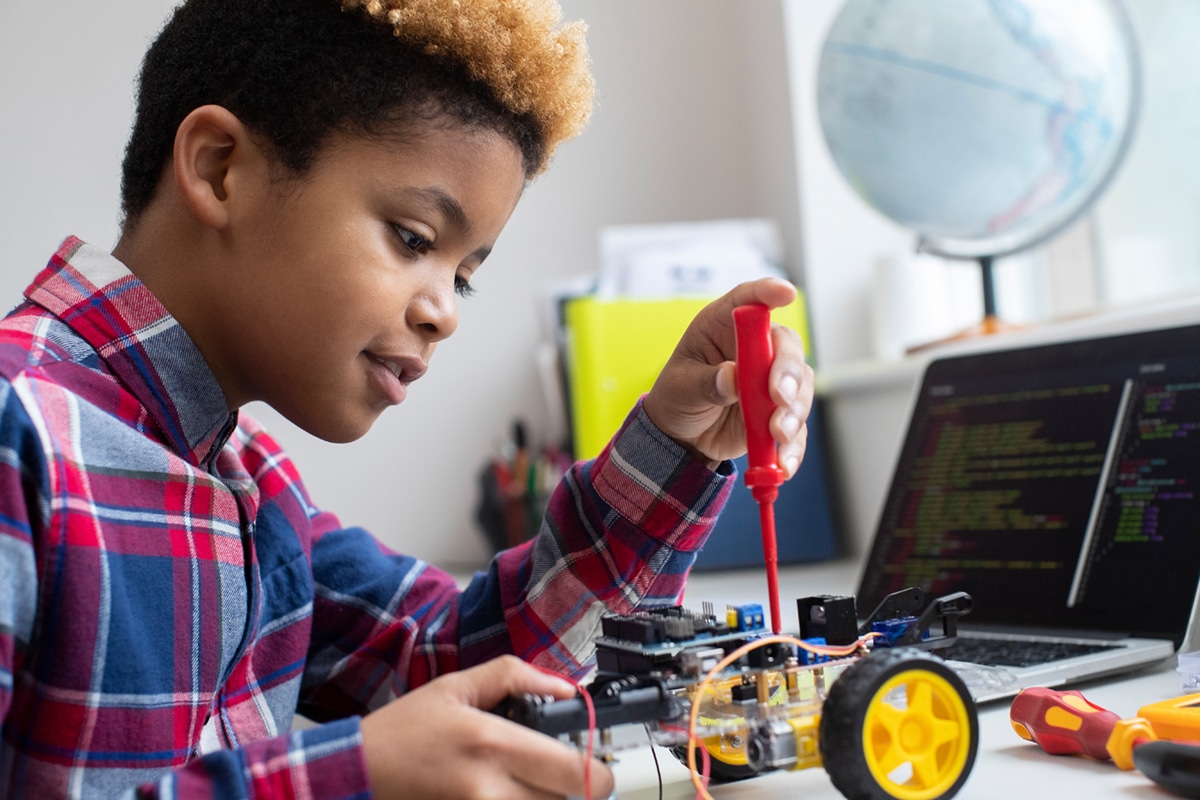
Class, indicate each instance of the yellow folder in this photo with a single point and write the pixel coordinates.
(616, 348)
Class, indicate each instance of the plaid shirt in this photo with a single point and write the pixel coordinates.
(170, 598)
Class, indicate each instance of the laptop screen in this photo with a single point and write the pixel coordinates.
(1059, 485)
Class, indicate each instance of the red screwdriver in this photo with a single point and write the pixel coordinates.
(1065, 722)
(752, 325)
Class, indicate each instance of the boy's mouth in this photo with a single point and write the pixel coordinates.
(393, 374)
(405, 369)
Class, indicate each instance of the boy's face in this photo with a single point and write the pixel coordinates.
(341, 282)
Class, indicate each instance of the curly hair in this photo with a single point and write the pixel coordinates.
(297, 71)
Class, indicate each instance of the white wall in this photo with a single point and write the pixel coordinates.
(844, 239)
(692, 123)
(1147, 218)
(66, 101)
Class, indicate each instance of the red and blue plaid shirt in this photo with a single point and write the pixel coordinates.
(170, 598)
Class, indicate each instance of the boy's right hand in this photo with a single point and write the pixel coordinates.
(442, 741)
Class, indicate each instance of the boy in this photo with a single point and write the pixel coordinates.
(307, 186)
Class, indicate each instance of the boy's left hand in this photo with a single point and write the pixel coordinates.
(694, 399)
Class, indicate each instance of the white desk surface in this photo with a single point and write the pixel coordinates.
(1005, 767)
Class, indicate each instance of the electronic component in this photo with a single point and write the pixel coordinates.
(891, 630)
(834, 618)
(748, 617)
(673, 641)
(754, 701)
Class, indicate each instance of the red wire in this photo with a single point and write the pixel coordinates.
(591, 740)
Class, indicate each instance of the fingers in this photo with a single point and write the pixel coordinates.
(791, 452)
(724, 384)
(456, 749)
(539, 761)
(791, 385)
(771, 292)
(484, 686)
(717, 316)
(547, 765)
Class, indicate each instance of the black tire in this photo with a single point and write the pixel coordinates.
(919, 748)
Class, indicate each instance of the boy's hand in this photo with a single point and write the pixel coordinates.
(441, 741)
(694, 399)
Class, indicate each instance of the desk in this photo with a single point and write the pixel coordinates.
(1006, 767)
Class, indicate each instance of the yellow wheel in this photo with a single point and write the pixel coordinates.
(899, 724)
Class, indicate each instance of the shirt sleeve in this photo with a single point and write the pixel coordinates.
(621, 532)
(22, 504)
(324, 762)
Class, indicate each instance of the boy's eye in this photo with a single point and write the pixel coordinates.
(463, 287)
(413, 241)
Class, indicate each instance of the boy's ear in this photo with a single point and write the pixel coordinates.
(212, 156)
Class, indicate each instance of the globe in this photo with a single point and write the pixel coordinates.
(986, 126)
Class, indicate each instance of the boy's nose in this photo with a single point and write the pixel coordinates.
(434, 312)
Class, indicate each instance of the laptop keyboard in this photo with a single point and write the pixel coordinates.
(1025, 653)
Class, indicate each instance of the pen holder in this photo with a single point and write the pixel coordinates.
(507, 516)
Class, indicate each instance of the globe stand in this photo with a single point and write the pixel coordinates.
(989, 289)
(991, 322)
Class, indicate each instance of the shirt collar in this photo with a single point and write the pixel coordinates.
(97, 296)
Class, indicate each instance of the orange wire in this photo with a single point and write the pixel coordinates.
(691, 743)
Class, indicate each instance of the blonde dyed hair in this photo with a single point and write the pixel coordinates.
(533, 64)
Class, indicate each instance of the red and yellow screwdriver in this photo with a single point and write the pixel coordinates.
(1160, 741)
(1064, 722)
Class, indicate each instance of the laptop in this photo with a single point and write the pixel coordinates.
(1059, 485)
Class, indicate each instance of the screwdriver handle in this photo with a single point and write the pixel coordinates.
(1065, 722)
(752, 324)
